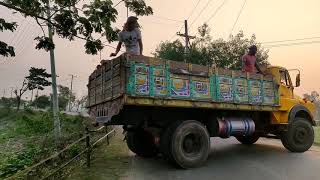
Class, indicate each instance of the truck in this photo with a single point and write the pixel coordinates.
(173, 108)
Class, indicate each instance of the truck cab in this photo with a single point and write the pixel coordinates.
(290, 103)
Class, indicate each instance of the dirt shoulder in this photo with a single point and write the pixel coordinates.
(108, 162)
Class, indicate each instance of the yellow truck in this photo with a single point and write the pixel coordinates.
(173, 108)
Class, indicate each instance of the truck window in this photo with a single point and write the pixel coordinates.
(285, 78)
(288, 79)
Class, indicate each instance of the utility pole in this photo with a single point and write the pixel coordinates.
(4, 93)
(187, 39)
(55, 105)
(31, 96)
(127, 11)
(70, 95)
(37, 94)
(11, 92)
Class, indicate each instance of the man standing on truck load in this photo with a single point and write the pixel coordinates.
(131, 37)
(249, 61)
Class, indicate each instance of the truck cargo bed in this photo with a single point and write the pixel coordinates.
(147, 81)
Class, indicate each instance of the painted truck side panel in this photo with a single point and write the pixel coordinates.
(163, 82)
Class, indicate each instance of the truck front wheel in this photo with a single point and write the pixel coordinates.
(141, 143)
(299, 137)
(186, 143)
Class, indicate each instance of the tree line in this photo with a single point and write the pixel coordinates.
(37, 80)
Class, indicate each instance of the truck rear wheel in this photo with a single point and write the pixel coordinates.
(299, 137)
(141, 143)
(248, 140)
(186, 143)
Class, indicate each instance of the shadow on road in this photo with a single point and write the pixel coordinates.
(267, 159)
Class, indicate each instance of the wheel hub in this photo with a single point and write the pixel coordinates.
(191, 143)
(300, 135)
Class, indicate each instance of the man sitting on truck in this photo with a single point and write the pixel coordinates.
(131, 37)
(249, 61)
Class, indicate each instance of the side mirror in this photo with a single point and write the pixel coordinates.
(298, 80)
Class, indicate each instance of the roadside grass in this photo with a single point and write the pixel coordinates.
(109, 162)
(26, 137)
(317, 136)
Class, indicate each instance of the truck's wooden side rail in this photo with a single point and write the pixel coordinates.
(151, 78)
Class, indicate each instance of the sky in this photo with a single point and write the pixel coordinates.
(271, 20)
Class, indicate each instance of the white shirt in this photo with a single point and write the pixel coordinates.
(130, 39)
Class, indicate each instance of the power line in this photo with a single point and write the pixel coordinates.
(165, 18)
(18, 33)
(28, 43)
(161, 23)
(18, 44)
(202, 10)
(191, 14)
(118, 3)
(217, 10)
(234, 24)
(193, 10)
(292, 44)
(289, 40)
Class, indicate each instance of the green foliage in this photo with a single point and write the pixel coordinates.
(44, 43)
(92, 47)
(139, 7)
(72, 19)
(42, 102)
(17, 162)
(7, 26)
(5, 49)
(37, 79)
(28, 138)
(7, 102)
(34, 124)
(206, 51)
(64, 95)
(4, 112)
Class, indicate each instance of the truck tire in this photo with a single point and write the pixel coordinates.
(186, 144)
(165, 140)
(141, 143)
(299, 137)
(248, 140)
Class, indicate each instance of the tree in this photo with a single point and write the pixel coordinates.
(7, 102)
(42, 102)
(315, 98)
(82, 102)
(64, 95)
(37, 79)
(207, 51)
(90, 22)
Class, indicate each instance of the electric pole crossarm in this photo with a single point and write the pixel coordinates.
(187, 39)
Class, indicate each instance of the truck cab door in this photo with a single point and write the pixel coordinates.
(286, 87)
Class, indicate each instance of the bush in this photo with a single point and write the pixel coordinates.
(17, 162)
(32, 139)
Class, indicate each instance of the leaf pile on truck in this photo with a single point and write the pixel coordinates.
(173, 108)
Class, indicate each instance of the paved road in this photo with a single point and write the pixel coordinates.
(267, 160)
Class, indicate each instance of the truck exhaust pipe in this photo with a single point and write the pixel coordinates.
(234, 126)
